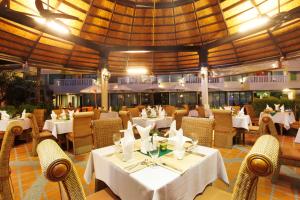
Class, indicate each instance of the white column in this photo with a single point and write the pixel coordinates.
(204, 87)
(104, 89)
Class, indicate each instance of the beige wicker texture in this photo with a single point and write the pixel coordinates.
(201, 111)
(202, 127)
(170, 110)
(97, 113)
(40, 117)
(134, 112)
(267, 126)
(125, 117)
(58, 167)
(124, 108)
(262, 160)
(177, 116)
(224, 132)
(250, 111)
(37, 136)
(81, 137)
(13, 128)
(104, 129)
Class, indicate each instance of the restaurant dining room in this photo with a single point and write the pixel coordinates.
(150, 99)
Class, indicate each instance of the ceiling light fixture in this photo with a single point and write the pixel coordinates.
(137, 71)
(53, 25)
(136, 51)
(257, 22)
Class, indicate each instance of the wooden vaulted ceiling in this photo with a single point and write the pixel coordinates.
(128, 23)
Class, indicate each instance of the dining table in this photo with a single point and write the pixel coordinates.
(58, 126)
(241, 121)
(26, 123)
(160, 122)
(285, 118)
(169, 178)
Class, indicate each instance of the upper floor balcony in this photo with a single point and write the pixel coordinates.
(274, 82)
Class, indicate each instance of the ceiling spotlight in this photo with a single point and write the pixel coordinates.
(257, 22)
(137, 71)
(136, 51)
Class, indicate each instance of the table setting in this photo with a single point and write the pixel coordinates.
(6, 118)
(155, 167)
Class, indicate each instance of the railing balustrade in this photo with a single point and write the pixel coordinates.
(74, 82)
(267, 79)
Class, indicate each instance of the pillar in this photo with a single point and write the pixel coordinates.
(104, 77)
(203, 55)
(38, 86)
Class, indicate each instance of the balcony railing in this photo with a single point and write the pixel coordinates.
(267, 79)
(74, 82)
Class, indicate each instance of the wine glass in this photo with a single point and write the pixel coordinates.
(194, 138)
(117, 141)
(154, 150)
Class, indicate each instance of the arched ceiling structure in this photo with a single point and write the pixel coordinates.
(149, 23)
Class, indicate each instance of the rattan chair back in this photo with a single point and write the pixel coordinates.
(202, 127)
(170, 110)
(250, 111)
(141, 107)
(125, 117)
(13, 128)
(134, 112)
(82, 124)
(236, 109)
(34, 126)
(104, 129)
(57, 111)
(223, 120)
(267, 126)
(97, 113)
(177, 116)
(40, 117)
(58, 167)
(262, 160)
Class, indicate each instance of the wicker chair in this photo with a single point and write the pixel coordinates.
(224, 132)
(140, 107)
(40, 117)
(296, 125)
(58, 167)
(177, 116)
(37, 136)
(97, 113)
(104, 129)
(236, 109)
(203, 127)
(81, 137)
(261, 161)
(186, 107)
(124, 108)
(250, 111)
(169, 110)
(125, 117)
(13, 128)
(201, 111)
(134, 112)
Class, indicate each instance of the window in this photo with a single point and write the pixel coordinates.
(293, 76)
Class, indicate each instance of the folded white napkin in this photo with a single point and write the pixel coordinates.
(227, 107)
(172, 131)
(277, 106)
(221, 108)
(241, 112)
(267, 106)
(71, 114)
(127, 144)
(110, 109)
(129, 131)
(63, 115)
(162, 113)
(23, 116)
(149, 107)
(77, 111)
(4, 115)
(53, 116)
(282, 108)
(144, 113)
(144, 133)
(153, 113)
(179, 140)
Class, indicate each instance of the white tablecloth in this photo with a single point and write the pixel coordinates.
(241, 121)
(161, 122)
(57, 127)
(109, 115)
(26, 124)
(156, 183)
(285, 118)
(297, 139)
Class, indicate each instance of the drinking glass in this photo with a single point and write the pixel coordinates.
(194, 138)
(117, 141)
(154, 150)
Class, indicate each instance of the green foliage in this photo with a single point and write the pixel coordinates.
(29, 108)
(11, 110)
(260, 104)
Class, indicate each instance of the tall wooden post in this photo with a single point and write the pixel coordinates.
(203, 57)
(104, 77)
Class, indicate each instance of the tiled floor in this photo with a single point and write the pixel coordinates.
(30, 184)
